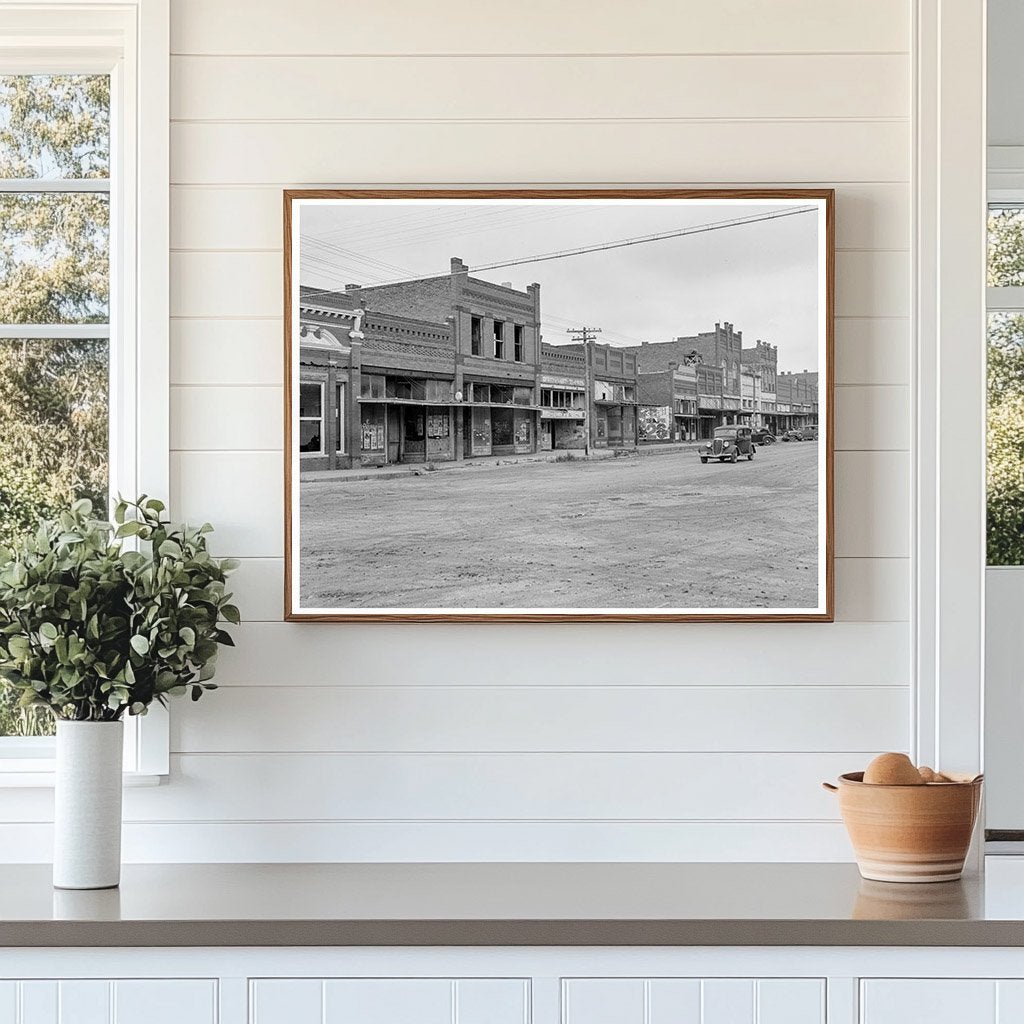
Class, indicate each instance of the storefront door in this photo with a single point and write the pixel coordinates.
(502, 429)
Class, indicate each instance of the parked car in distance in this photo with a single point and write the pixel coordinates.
(728, 443)
(810, 432)
(762, 436)
(793, 435)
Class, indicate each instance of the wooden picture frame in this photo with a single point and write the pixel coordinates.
(331, 321)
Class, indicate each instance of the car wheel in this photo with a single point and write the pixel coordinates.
(704, 459)
(750, 457)
(733, 457)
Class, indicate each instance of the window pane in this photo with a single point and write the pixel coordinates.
(1005, 439)
(54, 258)
(309, 436)
(53, 449)
(309, 400)
(54, 126)
(1005, 246)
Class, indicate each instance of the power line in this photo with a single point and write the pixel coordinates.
(619, 243)
(658, 237)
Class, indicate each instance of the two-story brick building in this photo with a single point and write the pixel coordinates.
(373, 387)
(494, 339)
(563, 398)
(797, 399)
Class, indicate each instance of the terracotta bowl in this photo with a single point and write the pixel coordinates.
(909, 833)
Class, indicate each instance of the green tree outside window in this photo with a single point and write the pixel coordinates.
(54, 270)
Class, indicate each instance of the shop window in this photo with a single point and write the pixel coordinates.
(438, 423)
(438, 390)
(502, 395)
(475, 334)
(372, 385)
(481, 392)
(545, 398)
(522, 396)
(409, 389)
(311, 418)
(499, 339)
(517, 342)
(372, 424)
(502, 430)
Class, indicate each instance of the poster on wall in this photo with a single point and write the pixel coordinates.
(627, 396)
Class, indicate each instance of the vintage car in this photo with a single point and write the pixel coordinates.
(810, 432)
(728, 443)
(793, 435)
(762, 436)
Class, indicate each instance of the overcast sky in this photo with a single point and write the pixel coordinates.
(763, 277)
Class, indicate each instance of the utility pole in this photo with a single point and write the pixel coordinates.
(586, 335)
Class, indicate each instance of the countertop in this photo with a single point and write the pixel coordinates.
(559, 904)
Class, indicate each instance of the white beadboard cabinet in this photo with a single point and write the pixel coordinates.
(513, 985)
(106, 1001)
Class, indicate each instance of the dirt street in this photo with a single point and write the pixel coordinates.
(659, 531)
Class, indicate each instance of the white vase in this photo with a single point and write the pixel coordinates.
(87, 806)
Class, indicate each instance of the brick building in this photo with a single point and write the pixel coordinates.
(612, 405)
(494, 336)
(563, 398)
(763, 361)
(797, 399)
(669, 405)
(685, 402)
(721, 350)
(373, 387)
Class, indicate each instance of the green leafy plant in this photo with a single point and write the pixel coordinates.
(91, 629)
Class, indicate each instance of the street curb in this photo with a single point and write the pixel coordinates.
(418, 469)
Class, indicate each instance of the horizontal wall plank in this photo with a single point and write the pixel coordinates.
(212, 418)
(872, 418)
(872, 503)
(874, 216)
(280, 654)
(237, 418)
(525, 87)
(245, 284)
(241, 493)
(412, 787)
(867, 589)
(873, 283)
(873, 589)
(246, 352)
(532, 26)
(872, 350)
(258, 586)
(454, 842)
(249, 284)
(406, 719)
(530, 152)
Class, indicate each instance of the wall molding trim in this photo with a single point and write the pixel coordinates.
(949, 450)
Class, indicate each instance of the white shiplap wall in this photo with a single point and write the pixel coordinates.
(431, 742)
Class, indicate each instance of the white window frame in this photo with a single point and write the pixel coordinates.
(1003, 711)
(948, 448)
(130, 41)
(321, 419)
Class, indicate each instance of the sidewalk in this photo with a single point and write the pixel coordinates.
(493, 462)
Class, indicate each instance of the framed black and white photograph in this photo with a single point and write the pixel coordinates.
(559, 405)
